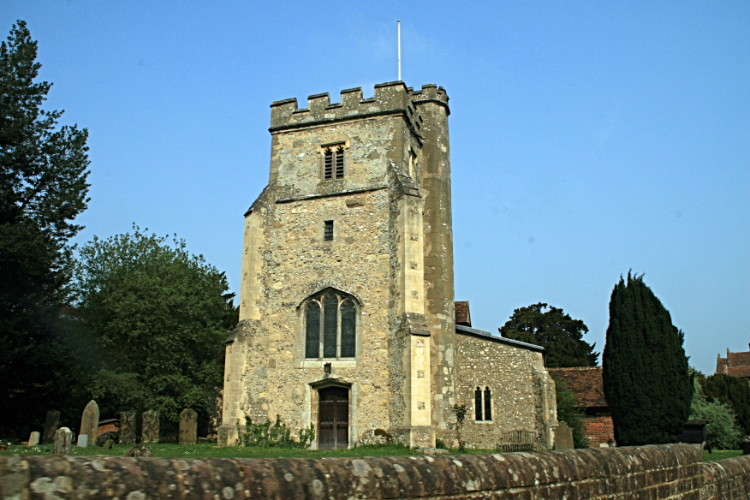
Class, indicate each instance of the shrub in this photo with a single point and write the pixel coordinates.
(723, 431)
(267, 435)
(568, 412)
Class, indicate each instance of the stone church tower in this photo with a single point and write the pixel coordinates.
(346, 303)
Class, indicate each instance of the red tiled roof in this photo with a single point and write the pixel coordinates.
(462, 313)
(736, 364)
(585, 383)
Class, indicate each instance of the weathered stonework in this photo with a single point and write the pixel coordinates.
(653, 472)
(523, 393)
(379, 236)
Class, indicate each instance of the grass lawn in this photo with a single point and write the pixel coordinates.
(720, 455)
(210, 450)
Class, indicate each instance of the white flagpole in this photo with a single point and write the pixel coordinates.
(399, 50)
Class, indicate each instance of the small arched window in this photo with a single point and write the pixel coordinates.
(487, 404)
(483, 405)
(478, 404)
(330, 326)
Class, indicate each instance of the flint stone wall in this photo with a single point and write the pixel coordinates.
(658, 472)
(519, 384)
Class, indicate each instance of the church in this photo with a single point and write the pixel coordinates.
(347, 314)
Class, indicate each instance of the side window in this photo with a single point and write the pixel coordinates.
(483, 405)
(328, 230)
(332, 334)
(487, 404)
(333, 162)
(478, 404)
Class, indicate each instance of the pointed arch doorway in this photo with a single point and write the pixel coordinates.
(333, 418)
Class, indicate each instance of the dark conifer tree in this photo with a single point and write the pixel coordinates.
(559, 334)
(646, 379)
(43, 171)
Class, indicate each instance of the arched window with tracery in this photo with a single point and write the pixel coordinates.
(330, 326)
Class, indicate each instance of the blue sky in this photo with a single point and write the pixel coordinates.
(587, 138)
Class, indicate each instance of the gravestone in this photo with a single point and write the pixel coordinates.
(83, 440)
(90, 422)
(563, 437)
(188, 426)
(34, 438)
(150, 427)
(63, 441)
(127, 427)
(51, 424)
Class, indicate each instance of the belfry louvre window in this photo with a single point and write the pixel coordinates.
(330, 327)
(328, 230)
(333, 163)
(483, 405)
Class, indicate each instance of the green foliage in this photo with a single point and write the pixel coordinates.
(278, 435)
(645, 369)
(723, 432)
(568, 412)
(159, 317)
(43, 188)
(732, 391)
(460, 412)
(440, 444)
(559, 334)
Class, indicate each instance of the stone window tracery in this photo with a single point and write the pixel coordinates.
(330, 326)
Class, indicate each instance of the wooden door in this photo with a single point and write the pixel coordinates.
(333, 422)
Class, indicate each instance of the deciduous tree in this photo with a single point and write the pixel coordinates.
(645, 370)
(160, 317)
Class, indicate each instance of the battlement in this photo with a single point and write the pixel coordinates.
(390, 98)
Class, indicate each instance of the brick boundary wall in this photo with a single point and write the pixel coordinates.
(668, 471)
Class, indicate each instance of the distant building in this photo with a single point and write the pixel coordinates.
(736, 364)
(588, 386)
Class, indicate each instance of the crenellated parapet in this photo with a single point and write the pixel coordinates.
(390, 98)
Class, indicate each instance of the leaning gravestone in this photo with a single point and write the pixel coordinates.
(150, 427)
(563, 437)
(34, 438)
(188, 426)
(90, 422)
(51, 425)
(127, 427)
(63, 441)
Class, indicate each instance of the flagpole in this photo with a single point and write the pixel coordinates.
(399, 50)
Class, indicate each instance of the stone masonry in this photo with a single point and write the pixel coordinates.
(653, 472)
(358, 211)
